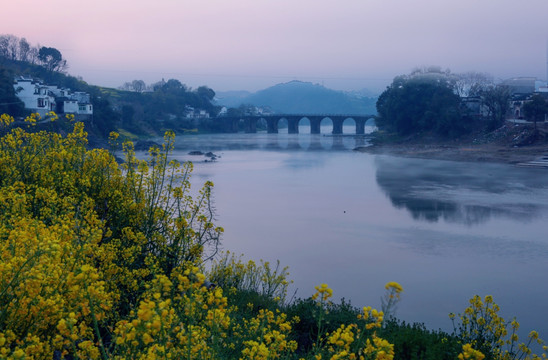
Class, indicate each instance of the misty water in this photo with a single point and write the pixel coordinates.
(444, 230)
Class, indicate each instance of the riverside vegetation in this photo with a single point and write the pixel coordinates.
(106, 261)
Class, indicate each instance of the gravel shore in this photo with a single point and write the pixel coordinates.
(509, 144)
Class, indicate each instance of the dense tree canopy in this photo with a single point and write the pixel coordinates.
(163, 106)
(536, 109)
(497, 101)
(19, 49)
(423, 102)
(9, 102)
(52, 59)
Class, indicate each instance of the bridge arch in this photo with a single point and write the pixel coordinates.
(326, 124)
(282, 123)
(349, 123)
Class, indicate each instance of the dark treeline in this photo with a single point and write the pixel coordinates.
(436, 101)
(164, 105)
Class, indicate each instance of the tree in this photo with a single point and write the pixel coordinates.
(9, 102)
(32, 56)
(158, 85)
(471, 83)
(126, 86)
(536, 109)
(205, 93)
(138, 85)
(417, 103)
(205, 96)
(8, 46)
(173, 85)
(52, 59)
(24, 50)
(135, 85)
(497, 101)
(14, 48)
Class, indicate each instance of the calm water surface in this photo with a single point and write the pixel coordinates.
(444, 230)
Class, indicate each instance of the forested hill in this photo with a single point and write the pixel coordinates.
(302, 97)
(141, 113)
(145, 111)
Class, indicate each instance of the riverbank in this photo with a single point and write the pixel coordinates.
(470, 152)
(510, 144)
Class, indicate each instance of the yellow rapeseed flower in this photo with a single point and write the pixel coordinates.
(392, 285)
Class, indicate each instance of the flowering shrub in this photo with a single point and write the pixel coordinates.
(391, 297)
(106, 261)
(228, 271)
(356, 340)
(83, 240)
(482, 328)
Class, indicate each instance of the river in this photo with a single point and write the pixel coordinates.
(444, 230)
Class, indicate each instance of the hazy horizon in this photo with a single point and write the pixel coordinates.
(251, 45)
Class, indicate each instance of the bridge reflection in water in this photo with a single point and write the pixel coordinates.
(313, 142)
(272, 142)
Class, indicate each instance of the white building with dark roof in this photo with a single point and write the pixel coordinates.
(35, 96)
(41, 99)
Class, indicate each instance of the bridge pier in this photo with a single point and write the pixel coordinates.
(315, 125)
(272, 125)
(337, 126)
(360, 126)
(250, 125)
(293, 125)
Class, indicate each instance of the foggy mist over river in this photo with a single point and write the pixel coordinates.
(444, 230)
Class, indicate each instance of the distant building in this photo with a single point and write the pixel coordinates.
(191, 113)
(223, 111)
(35, 96)
(41, 99)
(521, 91)
(475, 106)
(524, 85)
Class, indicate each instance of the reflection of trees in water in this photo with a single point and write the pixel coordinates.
(432, 190)
(433, 210)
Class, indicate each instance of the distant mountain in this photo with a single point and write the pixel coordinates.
(302, 97)
(364, 93)
(231, 98)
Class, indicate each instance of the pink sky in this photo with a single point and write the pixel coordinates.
(253, 44)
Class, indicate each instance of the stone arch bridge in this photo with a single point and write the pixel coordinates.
(250, 122)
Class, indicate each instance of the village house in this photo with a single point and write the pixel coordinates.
(521, 90)
(191, 113)
(475, 106)
(41, 99)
